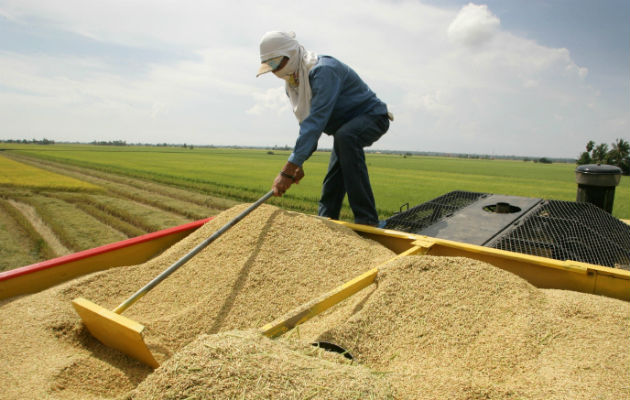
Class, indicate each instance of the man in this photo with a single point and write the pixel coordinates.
(327, 96)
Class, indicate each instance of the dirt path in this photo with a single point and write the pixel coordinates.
(41, 228)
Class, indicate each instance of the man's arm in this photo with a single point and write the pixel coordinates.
(289, 174)
(325, 88)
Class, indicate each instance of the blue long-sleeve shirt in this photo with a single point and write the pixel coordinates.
(338, 95)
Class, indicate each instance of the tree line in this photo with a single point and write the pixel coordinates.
(24, 141)
(618, 154)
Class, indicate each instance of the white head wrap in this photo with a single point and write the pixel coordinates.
(275, 44)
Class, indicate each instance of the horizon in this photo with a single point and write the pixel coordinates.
(290, 148)
(491, 77)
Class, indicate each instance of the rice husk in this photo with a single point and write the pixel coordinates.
(267, 264)
(247, 365)
(458, 328)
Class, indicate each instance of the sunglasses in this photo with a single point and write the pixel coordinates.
(277, 63)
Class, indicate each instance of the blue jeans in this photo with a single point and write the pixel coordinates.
(347, 172)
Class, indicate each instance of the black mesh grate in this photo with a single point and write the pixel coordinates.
(419, 217)
(565, 230)
(561, 230)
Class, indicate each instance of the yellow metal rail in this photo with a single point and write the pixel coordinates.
(539, 271)
(324, 302)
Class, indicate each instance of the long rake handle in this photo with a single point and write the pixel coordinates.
(124, 305)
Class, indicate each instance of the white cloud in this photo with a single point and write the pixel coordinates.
(272, 101)
(455, 80)
(474, 25)
(573, 68)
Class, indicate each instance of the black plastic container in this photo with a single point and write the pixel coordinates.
(596, 184)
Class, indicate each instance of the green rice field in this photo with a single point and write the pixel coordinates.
(246, 174)
(85, 196)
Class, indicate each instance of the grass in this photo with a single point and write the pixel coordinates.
(170, 199)
(21, 244)
(148, 218)
(117, 218)
(75, 229)
(130, 217)
(94, 195)
(123, 207)
(245, 174)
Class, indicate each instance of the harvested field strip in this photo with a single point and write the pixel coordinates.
(106, 217)
(217, 188)
(44, 238)
(20, 244)
(141, 215)
(307, 204)
(135, 190)
(186, 209)
(125, 211)
(119, 219)
(17, 174)
(75, 229)
(200, 199)
(129, 217)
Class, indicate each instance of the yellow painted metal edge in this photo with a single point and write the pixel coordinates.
(414, 239)
(542, 272)
(396, 241)
(567, 265)
(317, 306)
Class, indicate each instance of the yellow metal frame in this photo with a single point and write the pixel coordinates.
(319, 305)
(539, 271)
(323, 303)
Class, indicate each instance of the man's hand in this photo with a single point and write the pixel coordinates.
(289, 174)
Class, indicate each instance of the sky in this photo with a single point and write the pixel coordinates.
(532, 78)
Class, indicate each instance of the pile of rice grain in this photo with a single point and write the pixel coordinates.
(431, 327)
(247, 365)
(456, 328)
(267, 264)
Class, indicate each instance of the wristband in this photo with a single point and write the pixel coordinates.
(287, 175)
